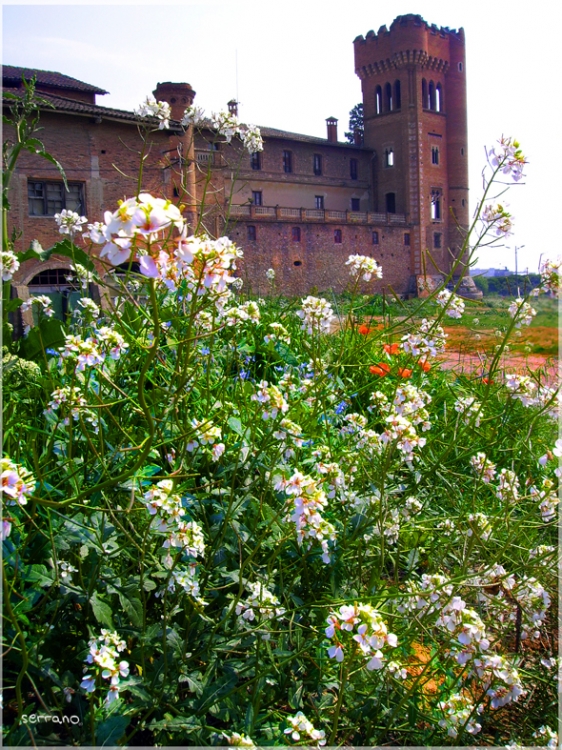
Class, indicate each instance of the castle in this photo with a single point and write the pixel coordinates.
(398, 193)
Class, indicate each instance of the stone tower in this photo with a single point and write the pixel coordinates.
(413, 79)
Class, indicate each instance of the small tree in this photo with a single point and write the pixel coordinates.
(355, 123)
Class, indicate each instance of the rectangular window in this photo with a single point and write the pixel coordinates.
(407, 239)
(296, 234)
(257, 198)
(255, 160)
(434, 155)
(251, 233)
(287, 161)
(375, 237)
(437, 240)
(355, 203)
(353, 169)
(436, 205)
(390, 199)
(49, 198)
(337, 236)
(319, 201)
(317, 164)
(388, 157)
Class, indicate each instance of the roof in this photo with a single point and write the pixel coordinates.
(12, 75)
(285, 134)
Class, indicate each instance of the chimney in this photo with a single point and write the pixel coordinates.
(357, 137)
(179, 96)
(233, 107)
(332, 124)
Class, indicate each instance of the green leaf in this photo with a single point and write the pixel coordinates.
(110, 731)
(285, 353)
(133, 608)
(65, 248)
(102, 611)
(39, 574)
(49, 334)
(236, 425)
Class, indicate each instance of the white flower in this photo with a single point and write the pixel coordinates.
(10, 264)
(454, 306)
(364, 266)
(522, 312)
(251, 138)
(193, 116)
(69, 222)
(151, 108)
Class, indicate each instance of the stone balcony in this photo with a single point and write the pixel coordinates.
(297, 215)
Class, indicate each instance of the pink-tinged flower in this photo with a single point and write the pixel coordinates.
(117, 251)
(362, 639)
(333, 625)
(376, 662)
(148, 267)
(336, 652)
(112, 694)
(6, 529)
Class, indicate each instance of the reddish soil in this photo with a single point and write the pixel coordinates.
(538, 365)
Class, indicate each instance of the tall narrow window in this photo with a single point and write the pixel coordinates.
(353, 169)
(296, 234)
(287, 161)
(319, 201)
(425, 99)
(437, 240)
(431, 96)
(388, 157)
(390, 203)
(252, 233)
(257, 198)
(407, 239)
(438, 98)
(436, 205)
(255, 160)
(337, 236)
(434, 155)
(378, 100)
(397, 95)
(355, 204)
(388, 98)
(317, 164)
(375, 237)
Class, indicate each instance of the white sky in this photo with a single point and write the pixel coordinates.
(290, 65)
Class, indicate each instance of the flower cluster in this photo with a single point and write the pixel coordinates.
(479, 525)
(259, 609)
(69, 222)
(248, 311)
(470, 410)
(453, 305)
(499, 678)
(93, 350)
(459, 713)
(547, 499)
(316, 314)
(364, 267)
(102, 658)
(551, 278)
(300, 727)
(431, 593)
(305, 503)
(546, 737)
(465, 626)
(207, 434)
(17, 482)
(499, 218)
(10, 264)
(42, 302)
(508, 158)
(151, 108)
(485, 469)
(371, 633)
(167, 507)
(186, 579)
(277, 332)
(73, 404)
(522, 312)
(508, 486)
(227, 125)
(428, 341)
(271, 398)
(239, 740)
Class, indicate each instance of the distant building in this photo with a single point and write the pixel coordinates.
(301, 206)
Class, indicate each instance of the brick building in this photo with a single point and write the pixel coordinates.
(304, 204)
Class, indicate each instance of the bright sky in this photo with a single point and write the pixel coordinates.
(290, 65)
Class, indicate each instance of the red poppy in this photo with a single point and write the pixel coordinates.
(391, 348)
(381, 369)
(424, 364)
(364, 330)
(487, 381)
(404, 372)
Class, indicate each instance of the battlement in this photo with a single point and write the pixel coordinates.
(411, 20)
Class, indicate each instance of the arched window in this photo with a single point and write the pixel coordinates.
(388, 98)
(397, 95)
(424, 93)
(378, 100)
(431, 96)
(436, 205)
(439, 98)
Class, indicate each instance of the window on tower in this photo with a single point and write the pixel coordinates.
(436, 205)
(388, 102)
(434, 155)
(437, 240)
(390, 203)
(388, 157)
(397, 95)
(431, 96)
(378, 100)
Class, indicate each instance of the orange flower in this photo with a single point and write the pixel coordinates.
(381, 369)
(391, 348)
(364, 330)
(424, 364)
(487, 381)
(404, 372)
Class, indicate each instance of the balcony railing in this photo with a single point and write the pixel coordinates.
(279, 213)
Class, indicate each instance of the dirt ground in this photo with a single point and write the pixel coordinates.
(544, 367)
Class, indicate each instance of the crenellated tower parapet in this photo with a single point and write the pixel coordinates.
(413, 79)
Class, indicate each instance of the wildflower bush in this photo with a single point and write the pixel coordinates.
(232, 521)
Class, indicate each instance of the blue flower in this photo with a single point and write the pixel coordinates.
(341, 407)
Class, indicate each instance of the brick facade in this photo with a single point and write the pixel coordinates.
(306, 203)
